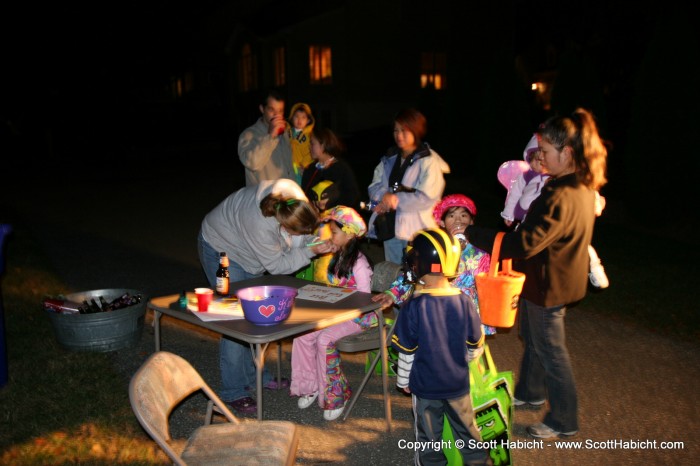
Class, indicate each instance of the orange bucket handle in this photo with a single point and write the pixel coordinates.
(493, 269)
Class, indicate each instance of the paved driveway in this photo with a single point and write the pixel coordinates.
(634, 385)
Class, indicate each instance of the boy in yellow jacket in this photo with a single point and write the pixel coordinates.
(301, 124)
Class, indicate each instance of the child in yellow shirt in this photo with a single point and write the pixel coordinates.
(301, 124)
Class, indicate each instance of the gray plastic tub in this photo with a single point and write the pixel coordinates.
(102, 331)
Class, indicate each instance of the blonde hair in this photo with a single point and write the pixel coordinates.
(295, 215)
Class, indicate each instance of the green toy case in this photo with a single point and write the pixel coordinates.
(492, 398)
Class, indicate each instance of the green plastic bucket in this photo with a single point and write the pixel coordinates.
(492, 400)
(101, 331)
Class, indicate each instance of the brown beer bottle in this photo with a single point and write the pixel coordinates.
(222, 275)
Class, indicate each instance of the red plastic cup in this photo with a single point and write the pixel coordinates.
(280, 129)
(204, 298)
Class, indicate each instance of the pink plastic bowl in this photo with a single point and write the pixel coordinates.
(267, 305)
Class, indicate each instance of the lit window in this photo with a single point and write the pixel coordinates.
(180, 85)
(177, 87)
(247, 70)
(433, 70)
(320, 64)
(280, 69)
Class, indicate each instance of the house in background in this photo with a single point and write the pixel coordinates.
(358, 62)
(355, 64)
(468, 67)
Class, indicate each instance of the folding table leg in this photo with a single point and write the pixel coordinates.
(259, 360)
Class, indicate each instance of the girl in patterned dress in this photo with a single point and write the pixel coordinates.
(316, 367)
(454, 213)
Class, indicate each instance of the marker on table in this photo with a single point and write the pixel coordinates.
(315, 243)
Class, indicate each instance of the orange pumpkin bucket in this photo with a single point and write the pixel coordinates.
(499, 292)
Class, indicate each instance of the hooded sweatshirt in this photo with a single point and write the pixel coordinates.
(301, 140)
(257, 243)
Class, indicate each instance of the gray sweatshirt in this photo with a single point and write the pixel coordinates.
(256, 243)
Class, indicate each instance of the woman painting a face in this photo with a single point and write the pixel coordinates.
(262, 228)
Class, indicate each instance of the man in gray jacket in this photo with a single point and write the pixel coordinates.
(264, 148)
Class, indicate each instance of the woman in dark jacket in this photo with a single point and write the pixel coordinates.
(328, 165)
(553, 241)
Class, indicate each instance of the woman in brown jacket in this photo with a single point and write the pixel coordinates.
(553, 241)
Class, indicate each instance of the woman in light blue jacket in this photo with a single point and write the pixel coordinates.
(407, 184)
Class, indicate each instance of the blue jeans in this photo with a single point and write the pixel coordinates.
(428, 415)
(235, 359)
(393, 250)
(545, 371)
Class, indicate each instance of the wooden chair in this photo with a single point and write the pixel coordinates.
(385, 273)
(165, 380)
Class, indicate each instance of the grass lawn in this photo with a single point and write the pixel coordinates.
(59, 407)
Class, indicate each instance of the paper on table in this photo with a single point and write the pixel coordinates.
(324, 293)
(219, 309)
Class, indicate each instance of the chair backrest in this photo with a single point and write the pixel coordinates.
(385, 273)
(165, 380)
(161, 383)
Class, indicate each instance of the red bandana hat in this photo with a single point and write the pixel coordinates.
(453, 200)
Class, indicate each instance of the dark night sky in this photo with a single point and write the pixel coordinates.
(69, 42)
(80, 63)
(73, 51)
(79, 79)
